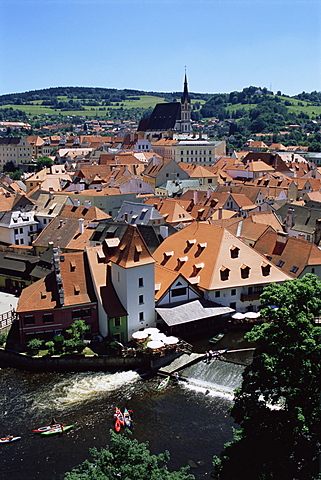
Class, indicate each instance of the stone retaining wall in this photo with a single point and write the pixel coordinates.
(70, 363)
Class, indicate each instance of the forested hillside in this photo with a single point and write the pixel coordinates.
(253, 111)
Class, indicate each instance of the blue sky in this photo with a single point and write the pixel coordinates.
(225, 45)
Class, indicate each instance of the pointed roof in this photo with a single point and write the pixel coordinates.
(132, 250)
(185, 96)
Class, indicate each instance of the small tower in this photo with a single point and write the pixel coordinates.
(185, 110)
(133, 277)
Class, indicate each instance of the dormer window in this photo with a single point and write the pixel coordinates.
(224, 272)
(294, 269)
(191, 242)
(245, 271)
(234, 251)
(265, 267)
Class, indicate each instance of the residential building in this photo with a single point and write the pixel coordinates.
(160, 170)
(223, 267)
(139, 214)
(16, 150)
(49, 306)
(294, 256)
(17, 228)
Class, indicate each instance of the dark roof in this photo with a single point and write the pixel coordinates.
(164, 116)
(304, 218)
(111, 229)
(272, 159)
(10, 140)
(18, 265)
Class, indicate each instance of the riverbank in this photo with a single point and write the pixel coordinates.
(83, 363)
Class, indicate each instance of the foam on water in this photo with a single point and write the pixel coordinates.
(82, 387)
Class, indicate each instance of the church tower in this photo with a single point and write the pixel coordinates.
(185, 110)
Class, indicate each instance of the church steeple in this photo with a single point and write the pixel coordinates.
(185, 109)
(185, 97)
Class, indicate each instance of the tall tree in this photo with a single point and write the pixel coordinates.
(128, 460)
(278, 404)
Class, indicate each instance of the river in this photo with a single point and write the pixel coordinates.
(189, 419)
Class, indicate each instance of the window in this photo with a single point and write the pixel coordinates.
(233, 305)
(47, 318)
(234, 251)
(141, 282)
(117, 321)
(265, 267)
(141, 299)
(233, 292)
(294, 269)
(224, 272)
(29, 320)
(179, 292)
(141, 316)
(312, 270)
(16, 231)
(280, 263)
(217, 294)
(81, 313)
(21, 230)
(245, 271)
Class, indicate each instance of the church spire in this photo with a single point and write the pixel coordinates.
(185, 97)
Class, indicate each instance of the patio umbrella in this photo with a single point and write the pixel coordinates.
(252, 314)
(238, 316)
(151, 330)
(158, 336)
(155, 344)
(170, 340)
(140, 335)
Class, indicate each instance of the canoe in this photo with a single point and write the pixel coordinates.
(164, 383)
(119, 420)
(48, 427)
(127, 418)
(9, 440)
(216, 338)
(59, 429)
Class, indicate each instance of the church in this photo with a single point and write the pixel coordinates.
(168, 119)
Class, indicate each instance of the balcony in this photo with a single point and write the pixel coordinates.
(250, 297)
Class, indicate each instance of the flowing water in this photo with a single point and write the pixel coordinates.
(189, 419)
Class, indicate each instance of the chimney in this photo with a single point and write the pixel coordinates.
(77, 203)
(81, 225)
(208, 193)
(87, 204)
(289, 221)
(317, 231)
(220, 213)
(163, 230)
(195, 197)
(282, 237)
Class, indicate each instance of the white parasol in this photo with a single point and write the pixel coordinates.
(140, 335)
(155, 344)
(158, 336)
(170, 340)
(252, 314)
(238, 316)
(151, 330)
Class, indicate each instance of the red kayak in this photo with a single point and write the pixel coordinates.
(119, 420)
(48, 427)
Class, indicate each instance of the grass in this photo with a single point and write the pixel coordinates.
(36, 109)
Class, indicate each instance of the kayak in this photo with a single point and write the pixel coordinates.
(59, 429)
(119, 420)
(164, 383)
(48, 427)
(9, 440)
(127, 418)
(217, 338)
